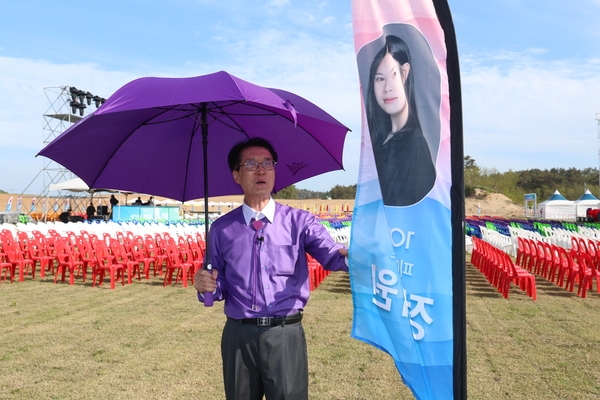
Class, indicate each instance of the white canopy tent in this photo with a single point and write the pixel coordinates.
(76, 185)
(557, 207)
(587, 200)
(72, 185)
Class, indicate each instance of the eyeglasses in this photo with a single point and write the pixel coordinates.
(251, 165)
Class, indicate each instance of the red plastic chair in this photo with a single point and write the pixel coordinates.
(47, 249)
(195, 254)
(18, 261)
(37, 253)
(123, 258)
(583, 247)
(106, 263)
(176, 265)
(540, 258)
(153, 252)
(565, 268)
(587, 273)
(140, 255)
(315, 270)
(68, 260)
(573, 273)
(86, 254)
(6, 267)
(592, 246)
(552, 274)
(574, 243)
(476, 251)
(515, 274)
(520, 251)
(488, 262)
(545, 262)
(188, 256)
(533, 255)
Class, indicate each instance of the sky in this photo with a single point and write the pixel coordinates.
(530, 70)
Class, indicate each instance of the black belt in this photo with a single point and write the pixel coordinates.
(272, 321)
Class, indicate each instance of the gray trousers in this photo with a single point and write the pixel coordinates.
(270, 361)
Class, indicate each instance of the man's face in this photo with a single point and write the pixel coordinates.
(257, 183)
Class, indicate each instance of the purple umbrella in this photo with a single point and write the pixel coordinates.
(150, 136)
(171, 136)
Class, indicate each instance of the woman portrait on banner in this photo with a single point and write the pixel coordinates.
(403, 159)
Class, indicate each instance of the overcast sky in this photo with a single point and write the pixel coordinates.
(530, 69)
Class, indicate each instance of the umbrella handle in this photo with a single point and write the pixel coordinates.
(208, 296)
(208, 299)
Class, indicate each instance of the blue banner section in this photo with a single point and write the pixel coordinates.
(401, 290)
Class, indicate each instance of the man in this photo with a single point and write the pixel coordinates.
(65, 216)
(90, 210)
(113, 201)
(258, 255)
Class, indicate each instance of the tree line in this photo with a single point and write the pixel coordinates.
(337, 192)
(571, 183)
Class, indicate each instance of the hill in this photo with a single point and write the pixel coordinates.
(495, 204)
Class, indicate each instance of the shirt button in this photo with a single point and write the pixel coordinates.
(267, 286)
(270, 305)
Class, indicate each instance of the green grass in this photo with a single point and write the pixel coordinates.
(152, 342)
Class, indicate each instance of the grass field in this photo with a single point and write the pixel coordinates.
(146, 341)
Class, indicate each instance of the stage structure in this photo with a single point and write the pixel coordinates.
(63, 106)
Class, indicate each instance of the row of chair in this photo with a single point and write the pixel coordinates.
(564, 267)
(110, 255)
(116, 255)
(500, 270)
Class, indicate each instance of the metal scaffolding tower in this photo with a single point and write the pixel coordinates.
(63, 106)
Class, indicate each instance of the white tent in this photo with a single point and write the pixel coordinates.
(557, 207)
(76, 185)
(587, 200)
(168, 202)
(72, 185)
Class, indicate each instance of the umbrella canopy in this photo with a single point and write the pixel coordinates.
(171, 136)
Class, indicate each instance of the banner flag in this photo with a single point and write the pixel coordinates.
(33, 201)
(19, 204)
(9, 204)
(407, 242)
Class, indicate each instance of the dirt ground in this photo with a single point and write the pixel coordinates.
(482, 203)
(316, 206)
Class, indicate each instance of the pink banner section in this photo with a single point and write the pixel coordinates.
(369, 19)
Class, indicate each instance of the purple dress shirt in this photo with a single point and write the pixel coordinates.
(269, 277)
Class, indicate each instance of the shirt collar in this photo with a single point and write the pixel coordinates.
(267, 212)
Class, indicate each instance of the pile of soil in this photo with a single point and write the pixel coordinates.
(493, 204)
